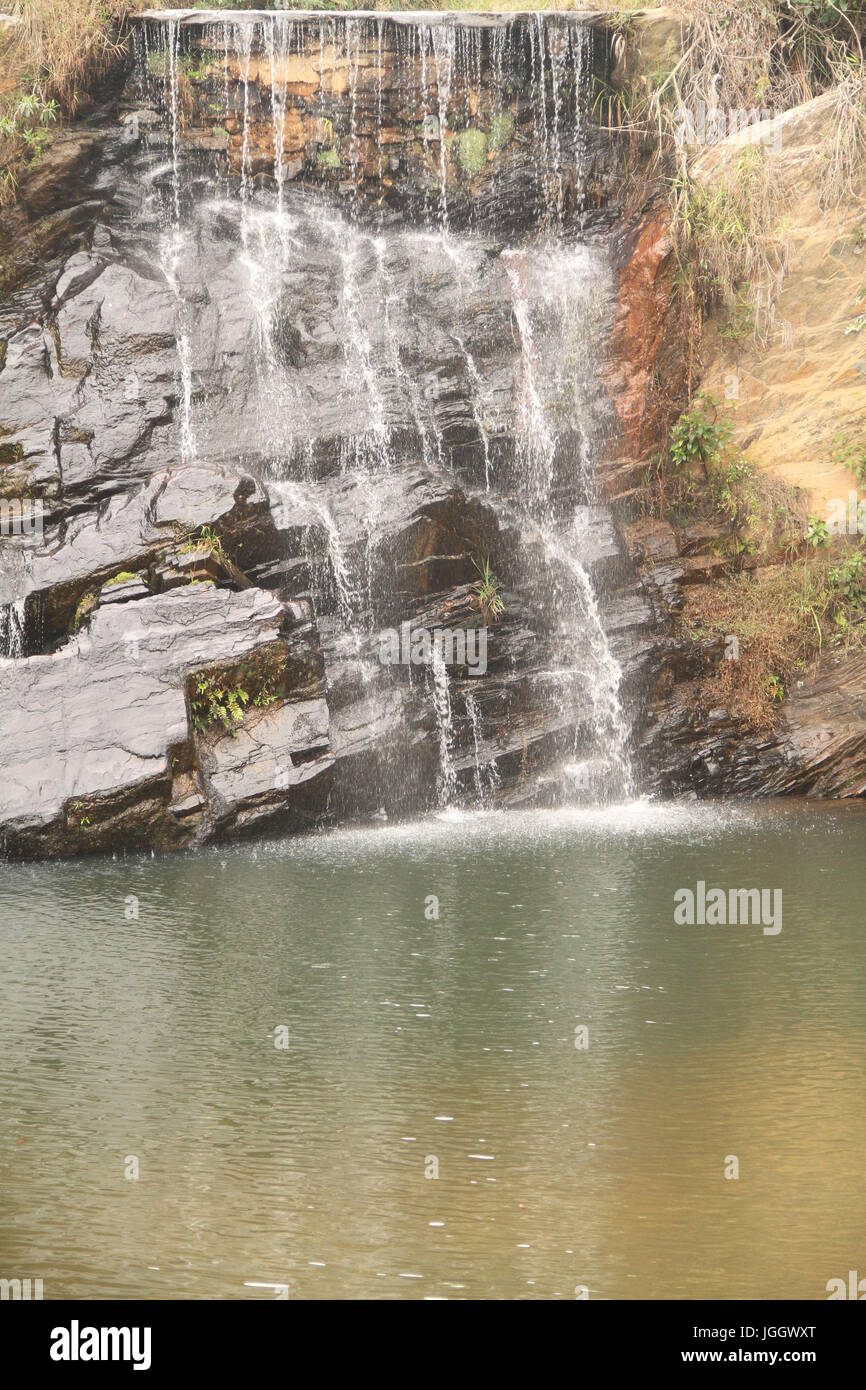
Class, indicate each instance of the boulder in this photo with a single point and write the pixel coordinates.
(103, 729)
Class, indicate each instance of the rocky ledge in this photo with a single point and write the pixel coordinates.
(815, 744)
(486, 121)
(252, 457)
(173, 700)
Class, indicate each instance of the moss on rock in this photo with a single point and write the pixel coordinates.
(84, 609)
(501, 130)
(471, 146)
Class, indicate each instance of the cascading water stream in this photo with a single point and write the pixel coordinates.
(413, 367)
(446, 782)
(443, 43)
(538, 445)
(486, 775)
(172, 244)
(13, 629)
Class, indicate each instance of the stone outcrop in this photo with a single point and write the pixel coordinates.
(797, 394)
(257, 443)
(102, 753)
(801, 393)
(238, 468)
(421, 113)
(816, 745)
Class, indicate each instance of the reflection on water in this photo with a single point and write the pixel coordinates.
(412, 1038)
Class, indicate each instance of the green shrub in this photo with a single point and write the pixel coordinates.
(471, 147)
(501, 130)
(849, 579)
(697, 437)
(817, 532)
(849, 451)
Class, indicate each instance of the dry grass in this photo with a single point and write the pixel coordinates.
(60, 47)
(742, 56)
(727, 235)
(747, 54)
(846, 160)
(784, 617)
(737, 53)
(51, 59)
(772, 615)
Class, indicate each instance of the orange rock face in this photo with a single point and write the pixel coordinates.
(648, 359)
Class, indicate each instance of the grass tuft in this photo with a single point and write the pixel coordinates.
(50, 61)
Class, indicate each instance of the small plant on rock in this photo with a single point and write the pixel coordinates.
(85, 607)
(214, 703)
(471, 147)
(501, 130)
(207, 539)
(221, 698)
(698, 437)
(817, 532)
(487, 595)
(122, 578)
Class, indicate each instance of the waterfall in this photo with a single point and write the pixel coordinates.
(446, 782)
(13, 628)
(386, 245)
(486, 774)
(475, 389)
(302, 502)
(537, 443)
(172, 244)
(539, 287)
(443, 39)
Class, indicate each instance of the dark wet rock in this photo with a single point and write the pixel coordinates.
(259, 775)
(103, 729)
(295, 447)
(823, 738)
(663, 585)
(57, 203)
(367, 123)
(137, 530)
(651, 541)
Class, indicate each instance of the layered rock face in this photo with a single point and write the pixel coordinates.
(320, 322)
(276, 423)
(794, 395)
(473, 120)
